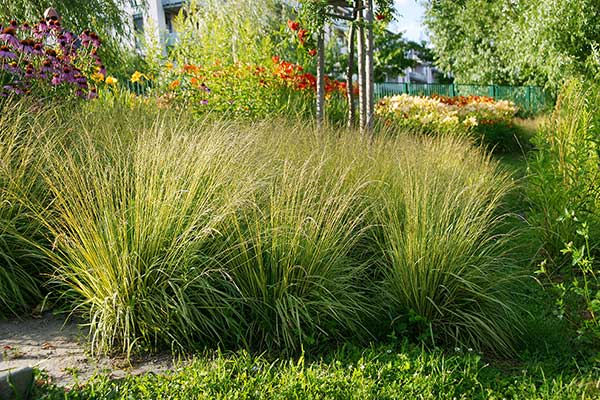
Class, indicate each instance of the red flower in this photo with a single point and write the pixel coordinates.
(312, 52)
(275, 59)
(302, 35)
(379, 17)
(293, 25)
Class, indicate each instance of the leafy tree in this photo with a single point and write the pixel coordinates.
(246, 31)
(515, 41)
(390, 55)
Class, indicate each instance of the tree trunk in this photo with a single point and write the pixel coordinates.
(350, 71)
(321, 78)
(361, 68)
(369, 72)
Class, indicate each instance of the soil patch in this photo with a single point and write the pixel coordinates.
(60, 348)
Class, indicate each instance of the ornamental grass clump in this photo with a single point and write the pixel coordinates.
(441, 262)
(21, 259)
(137, 216)
(166, 231)
(292, 258)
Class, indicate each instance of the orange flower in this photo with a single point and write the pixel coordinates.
(312, 52)
(175, 84)
(294, 25)
(190, 68)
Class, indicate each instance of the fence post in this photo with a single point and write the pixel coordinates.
(529, 98)
(452, 90)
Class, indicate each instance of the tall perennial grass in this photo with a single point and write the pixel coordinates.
(21, 258)
(171, 231)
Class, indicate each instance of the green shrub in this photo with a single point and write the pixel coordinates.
(564, 193)
(564, 174)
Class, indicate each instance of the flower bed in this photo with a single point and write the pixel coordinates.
(444, 113)
(46, 60)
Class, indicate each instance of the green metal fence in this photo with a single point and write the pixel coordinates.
(528, 98)
(139, 88)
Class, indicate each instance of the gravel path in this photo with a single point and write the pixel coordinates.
(60, 349)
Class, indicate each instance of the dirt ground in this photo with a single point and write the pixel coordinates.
(60, 349)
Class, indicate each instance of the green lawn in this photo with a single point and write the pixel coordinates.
(382, 372)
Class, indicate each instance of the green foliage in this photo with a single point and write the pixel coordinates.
(564, 172)
(292, 258)
(466, 36)
(135, 217)
(390, 55)
(565, 202)
(184, 232)
(515, 42)
(239, 31)
(381, 372)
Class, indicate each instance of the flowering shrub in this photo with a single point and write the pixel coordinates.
(444, 113)
(46, 59)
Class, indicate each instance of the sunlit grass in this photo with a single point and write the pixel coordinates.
(168, 231)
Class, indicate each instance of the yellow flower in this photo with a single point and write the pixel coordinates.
(169, 65)
(98, 77)
(137, 76)
(111, 80)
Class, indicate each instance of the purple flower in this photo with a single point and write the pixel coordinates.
(14, 89)
(56, 80)
(8, 36)
(47, 66)
(38, 49)
(26, 46)
(6, 53)
(12, 67)
(204, 102)
(40, 30)
(92, 94)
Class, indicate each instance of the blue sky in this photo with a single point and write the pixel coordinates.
(410, 20)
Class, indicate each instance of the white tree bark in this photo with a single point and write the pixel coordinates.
(321, 78)
(369, 68)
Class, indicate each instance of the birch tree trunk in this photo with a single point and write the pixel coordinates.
(369, 72)
(362, 104)
(321, 78)
(350, 70)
